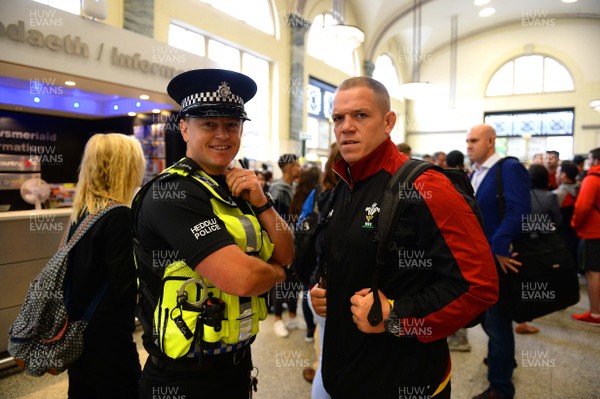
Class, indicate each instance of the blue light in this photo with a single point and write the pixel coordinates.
(116, 107)
(22, 93)
(76, 105)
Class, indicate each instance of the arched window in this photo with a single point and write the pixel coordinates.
(256, 13)
(321, 46)
(385, 72)
(530, 74)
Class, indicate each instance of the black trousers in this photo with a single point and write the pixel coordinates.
(101, 376)
(220, 376)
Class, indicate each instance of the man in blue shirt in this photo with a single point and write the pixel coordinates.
(500, 231)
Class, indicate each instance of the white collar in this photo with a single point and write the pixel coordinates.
(489, 163)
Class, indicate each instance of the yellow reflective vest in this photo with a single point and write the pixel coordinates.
(182, 322)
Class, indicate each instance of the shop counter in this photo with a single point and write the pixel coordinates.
(27, 241)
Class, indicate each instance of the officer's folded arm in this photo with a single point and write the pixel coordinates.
(236, 273)
(278, 230)
(281, 235)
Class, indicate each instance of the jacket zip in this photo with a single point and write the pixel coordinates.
(350, 183)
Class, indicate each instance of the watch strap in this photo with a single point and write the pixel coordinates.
(261, 209)
(392, 323)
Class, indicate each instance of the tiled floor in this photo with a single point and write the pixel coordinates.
(561, 362)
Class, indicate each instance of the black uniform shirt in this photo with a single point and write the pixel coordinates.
(177, 222)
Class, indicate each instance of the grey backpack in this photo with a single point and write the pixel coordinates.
(42, 338)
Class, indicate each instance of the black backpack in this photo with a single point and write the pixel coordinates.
(306, 266)
(392, 207)
(304, 270)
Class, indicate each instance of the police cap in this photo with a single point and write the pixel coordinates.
(204, 93)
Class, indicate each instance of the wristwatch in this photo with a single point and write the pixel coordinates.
(261, 209)
(392, 323)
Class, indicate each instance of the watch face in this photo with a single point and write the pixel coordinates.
(392, 325)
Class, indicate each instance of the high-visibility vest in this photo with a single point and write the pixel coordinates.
(181, 327)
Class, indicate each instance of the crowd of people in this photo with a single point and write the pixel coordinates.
(211, 264)
(557, 192)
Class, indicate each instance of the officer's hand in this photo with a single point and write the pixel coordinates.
(244, 184)
(361, 303)
(318, 297)
(509, 263)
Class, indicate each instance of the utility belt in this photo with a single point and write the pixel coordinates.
(193, 318)
(236, 358)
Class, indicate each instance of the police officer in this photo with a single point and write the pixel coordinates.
(208, 243)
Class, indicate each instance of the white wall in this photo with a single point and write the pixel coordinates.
(99, 38)
(574, 42)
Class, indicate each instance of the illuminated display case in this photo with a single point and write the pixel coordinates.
(152, 138)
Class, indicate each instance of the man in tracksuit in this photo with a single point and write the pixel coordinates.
(438, 274)
(586, 222)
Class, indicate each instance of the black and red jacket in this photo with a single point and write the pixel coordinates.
(439, 271)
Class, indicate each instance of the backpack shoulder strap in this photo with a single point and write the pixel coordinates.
(316, 195)
(324, 215)
(391, 205)
(391, 208)
(326, 212)
(500, 187)
(85, 225)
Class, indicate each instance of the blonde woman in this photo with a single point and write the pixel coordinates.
(111, 169)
